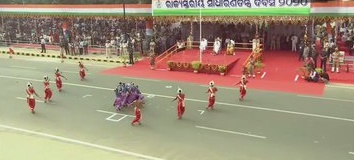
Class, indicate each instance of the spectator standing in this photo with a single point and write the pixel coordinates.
(85, 46)
(306, 51)
(131, 53)
(294, 40)
(81, 47)
(314, 55)
(43, 45)
(108, 49)
(324, 57)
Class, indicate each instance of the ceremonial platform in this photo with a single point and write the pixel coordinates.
(190, 60)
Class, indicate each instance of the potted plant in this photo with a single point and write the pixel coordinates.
(222, 69)
(196, 66)
(170, 65)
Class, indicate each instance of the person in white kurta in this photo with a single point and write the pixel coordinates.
(203, 45)
(108, 49)
(217, 47)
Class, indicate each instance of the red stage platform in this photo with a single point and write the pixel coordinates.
(182, 60)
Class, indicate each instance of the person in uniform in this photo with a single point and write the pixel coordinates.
(211, 91)
(31, 101)
(335, 57)
(152, 46)
(230, 47)
(47, 90)
(190, 42)
(152, 61)
(255, 43)
(181, 103)
(108, 49)
(243, 88)
(82, 69)
(251, 63)
(58, 81)
(294, 40)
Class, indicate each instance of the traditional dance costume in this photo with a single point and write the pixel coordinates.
(47, 91)
(82, 71)
(58, 79)
(138, 116)
(181, 103)
(31, 101)
(243, 88)
(212, 91)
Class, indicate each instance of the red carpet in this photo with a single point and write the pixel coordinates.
(279, 77)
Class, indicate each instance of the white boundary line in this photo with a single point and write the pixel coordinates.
(231, 132)
(326, 98)
(338, 86)
(108, 112)
(201, 111)
(264, 73)
(80, 142)
(115, 120)
(351, 153)
(219, 87)
(23, 67)
(203, 101)
(21, 98)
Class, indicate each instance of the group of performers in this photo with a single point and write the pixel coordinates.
(180, 97)
(31, 93)
(128, 94)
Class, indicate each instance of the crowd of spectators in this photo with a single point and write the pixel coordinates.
(76, 34)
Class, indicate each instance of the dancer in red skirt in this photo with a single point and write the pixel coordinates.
(212, 91)
(138, 116)
(243, 88)
(58, 79)
(82, 70)
(181, 103)
(47, 91)
(31, 101)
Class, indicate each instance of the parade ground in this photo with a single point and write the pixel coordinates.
(81, 123)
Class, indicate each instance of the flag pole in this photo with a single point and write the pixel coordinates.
(200, 33)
